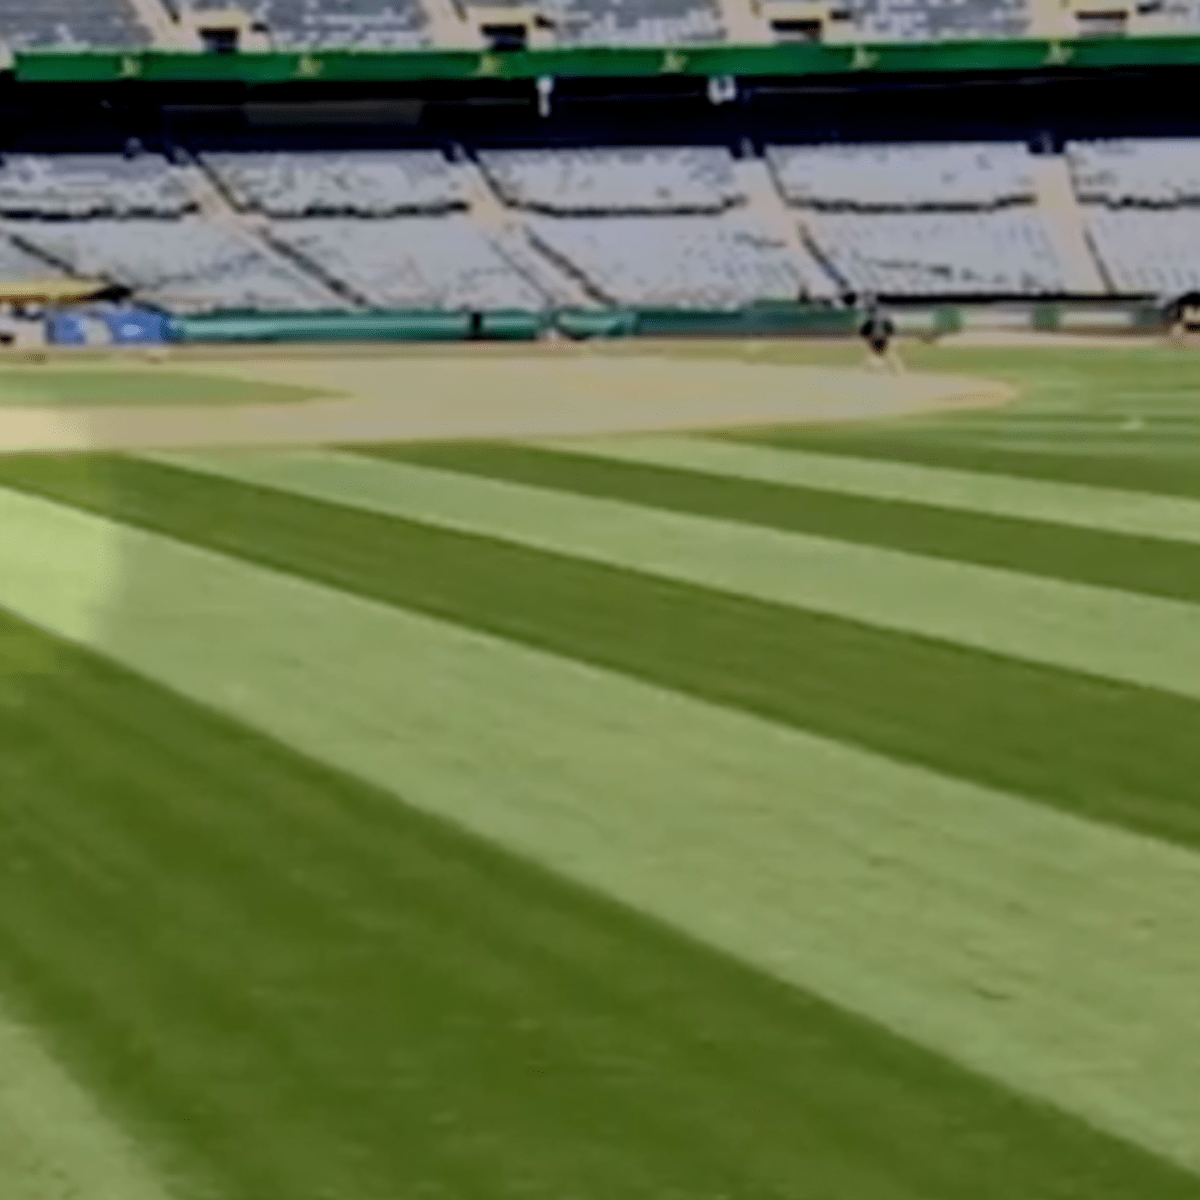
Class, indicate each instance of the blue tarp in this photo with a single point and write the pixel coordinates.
(66, 329)
(135, 326)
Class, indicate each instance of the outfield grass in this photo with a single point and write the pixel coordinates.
(780, 817)
(52, 386)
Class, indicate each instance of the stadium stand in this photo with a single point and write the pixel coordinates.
(412, 262)
(655, 226)
(913, 219)
(366, 183)
(688, 261)
(939, 20)
(19, 265)
(348, 24)
(90, 185)
(1136, 171)
(71, 24)
(1141, 204)
(906, 175)
(666, 179)
(639, 22)
(187, 264)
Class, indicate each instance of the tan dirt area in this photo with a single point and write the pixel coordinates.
(455, 396)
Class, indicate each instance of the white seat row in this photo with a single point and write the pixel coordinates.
(691, 261)
(1147, 250)
(636, 179)
(186, 264)
(369, 182)
(903, 175)
(1007, 251)
(82, 185)
(1149, 171)
(413, 262)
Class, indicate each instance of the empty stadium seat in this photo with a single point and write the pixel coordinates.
(923, 253)
(375, 183)
(690, 261)
(626, 180)
(186, 264)
(913, 219)
(412, 262)
(1138, 171)
(350, 24)
(940, 20)
(640, 22)
(904, 175)
(83, 185)
(71, 24)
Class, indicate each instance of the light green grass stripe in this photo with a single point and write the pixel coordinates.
(1137, 639)
(1113, 511)
(54, 1143)
(1048, 952)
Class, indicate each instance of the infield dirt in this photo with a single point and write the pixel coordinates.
(455, 396)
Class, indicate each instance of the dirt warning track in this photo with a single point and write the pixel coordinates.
(374, 398)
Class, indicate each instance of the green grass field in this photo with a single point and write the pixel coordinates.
(50, 385)
(788, 815)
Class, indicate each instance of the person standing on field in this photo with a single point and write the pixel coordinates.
(877, 330)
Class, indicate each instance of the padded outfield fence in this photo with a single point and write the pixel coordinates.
(767, 320)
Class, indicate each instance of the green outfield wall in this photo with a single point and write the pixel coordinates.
(512, 325)
(600, 62)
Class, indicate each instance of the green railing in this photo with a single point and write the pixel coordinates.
(598, 62)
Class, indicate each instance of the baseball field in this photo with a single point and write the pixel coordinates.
(649, 773)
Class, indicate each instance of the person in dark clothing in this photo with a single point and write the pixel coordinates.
(877, 330)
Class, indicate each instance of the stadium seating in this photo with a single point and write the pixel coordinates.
(1147, 250)
(367, 183)
(671, 226)
(350, 24)
(915, 253)
(71, 24)
(912, 219)
(639, 22)
(412, 262)
(1141, 204)
(17, 265)
(87, 185)
(694, 179)
(904, 175)
(186, 264)
(1161, 171)
(648, 225)
(938, 20)
(690, 261)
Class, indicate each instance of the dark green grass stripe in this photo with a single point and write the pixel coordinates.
(1112, 751)
(1019, 452)
(1150, 566)
(296, 987)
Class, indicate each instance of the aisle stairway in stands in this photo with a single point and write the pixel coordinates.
(562, 286)
(1064, 221)
(255, 228)
(766, 204)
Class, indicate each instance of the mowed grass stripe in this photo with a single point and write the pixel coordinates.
(1137, 639)
(1051, 953)
(1132, 513)
(55, 1142)
(1118, 461)
(1145, 565)
(306, 989)
(1089, 745)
